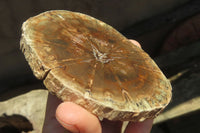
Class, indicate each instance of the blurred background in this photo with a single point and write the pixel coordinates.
(168, 30)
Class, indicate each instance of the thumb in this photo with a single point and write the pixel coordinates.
(76, 119)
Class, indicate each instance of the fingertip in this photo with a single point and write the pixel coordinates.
(66, 118)
(140, 127)
(135, 43)
(76, 119)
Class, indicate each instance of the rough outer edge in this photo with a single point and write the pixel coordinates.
(87, 103)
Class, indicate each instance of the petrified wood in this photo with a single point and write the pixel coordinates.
(84, 60)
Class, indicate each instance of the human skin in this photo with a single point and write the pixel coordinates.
(68, 115)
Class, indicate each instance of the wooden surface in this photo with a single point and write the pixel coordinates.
(84, 60)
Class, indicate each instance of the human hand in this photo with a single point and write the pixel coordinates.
(78, 120)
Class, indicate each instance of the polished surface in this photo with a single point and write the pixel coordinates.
(91, 59)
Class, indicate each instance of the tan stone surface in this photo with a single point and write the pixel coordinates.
(84, 60)
(31, 105)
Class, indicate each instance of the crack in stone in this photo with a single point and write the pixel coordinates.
(46, 74)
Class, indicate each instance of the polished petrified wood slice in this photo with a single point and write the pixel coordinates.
(84, 60)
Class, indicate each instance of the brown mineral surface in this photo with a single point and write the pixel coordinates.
(84, 60)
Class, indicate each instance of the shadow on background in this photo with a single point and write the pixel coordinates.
(14, 124)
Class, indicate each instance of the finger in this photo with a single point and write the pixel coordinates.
(76, 119)
(140, 127)
(51, 124)
(135, 43)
